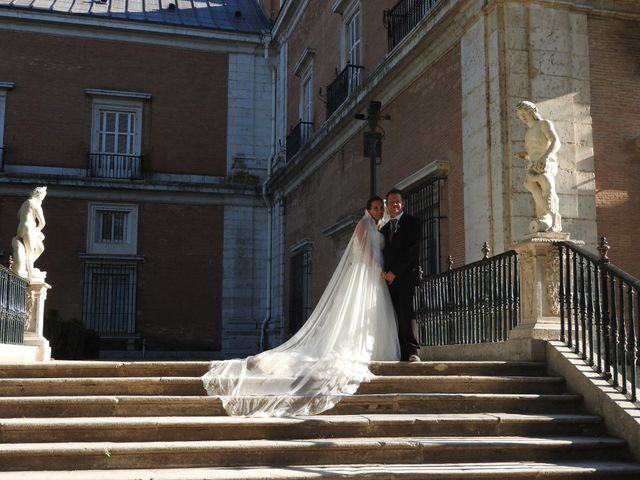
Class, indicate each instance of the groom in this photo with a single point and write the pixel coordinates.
(402, 245)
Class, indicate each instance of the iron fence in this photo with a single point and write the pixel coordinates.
(599, 314)
(403, 17)
(13, 307)
(345, 83)
(476, 303)
(113, 165)
(298, 137)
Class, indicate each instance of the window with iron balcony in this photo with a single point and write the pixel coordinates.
(116, 134)
(350, 77)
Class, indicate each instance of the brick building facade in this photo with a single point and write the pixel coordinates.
(151, 131)
(449, 74)
(252, 165)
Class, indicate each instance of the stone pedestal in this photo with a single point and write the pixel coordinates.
(539, 287)
(33, 331)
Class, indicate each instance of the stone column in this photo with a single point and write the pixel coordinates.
(33, 334)
(539, 287)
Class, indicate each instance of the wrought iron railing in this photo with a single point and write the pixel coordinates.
(476, 303)
(403, 17)
(114, 165)
(345, 83)
(13, 307)
(298, 137)
(599, 314)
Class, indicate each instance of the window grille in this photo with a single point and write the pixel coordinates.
(111, 226)
(110, 298)
(423, 202)
(299, 291)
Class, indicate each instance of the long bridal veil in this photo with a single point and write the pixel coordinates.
(329, 356)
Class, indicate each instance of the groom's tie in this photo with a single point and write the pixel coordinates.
(392, 230)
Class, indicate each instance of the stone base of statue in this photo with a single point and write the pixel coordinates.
(540, 285)
(549, 223)
(33, 331)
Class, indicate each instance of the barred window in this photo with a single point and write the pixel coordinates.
(112, 229)
(299, 291)
(110, 298)
(111, 226)
(423, 202)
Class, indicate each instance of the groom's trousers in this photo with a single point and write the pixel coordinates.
(402, 299)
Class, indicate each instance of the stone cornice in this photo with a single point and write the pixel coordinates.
(129, 31)
(626, 9)
(288, 17)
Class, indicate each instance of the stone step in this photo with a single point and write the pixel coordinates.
(138, 429)
(463, 384)
(161, 405)
(225, 453)
(61, 368)
(525, 470)
(491, 368)
(193, 386)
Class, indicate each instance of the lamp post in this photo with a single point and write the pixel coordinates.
(373, 140)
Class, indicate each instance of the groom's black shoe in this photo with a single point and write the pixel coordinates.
(414, 358)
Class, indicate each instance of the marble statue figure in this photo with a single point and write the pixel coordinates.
(541, 144)
(28, 244)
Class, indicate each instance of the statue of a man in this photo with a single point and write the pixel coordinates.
(541, 145)
(28, 244)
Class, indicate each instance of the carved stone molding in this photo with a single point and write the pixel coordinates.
(552, 274)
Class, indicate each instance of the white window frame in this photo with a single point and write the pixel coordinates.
(351, 13)
(129, 244)
(120, 106)
(306, 95)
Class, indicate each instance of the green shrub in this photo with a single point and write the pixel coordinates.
(70, 339)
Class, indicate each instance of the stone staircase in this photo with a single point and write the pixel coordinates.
(445, 420)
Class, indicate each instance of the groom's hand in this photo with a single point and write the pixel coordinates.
(389, 277)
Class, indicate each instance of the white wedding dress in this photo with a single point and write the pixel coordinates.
(352, 324)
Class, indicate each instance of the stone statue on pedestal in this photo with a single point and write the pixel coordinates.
(541, 144)
(28, 244)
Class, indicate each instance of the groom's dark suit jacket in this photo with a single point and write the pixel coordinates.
(401, 257)
(401, 254)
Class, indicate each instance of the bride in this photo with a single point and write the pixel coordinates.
(352, 324)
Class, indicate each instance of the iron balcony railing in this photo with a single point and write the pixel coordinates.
(114, 165)
(345, 83)
(13, 307)
(298, 137)
(599, 314)
(403, 17)
(477, 303)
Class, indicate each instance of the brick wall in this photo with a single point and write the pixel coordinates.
(49, 116)
(425, 126)
(321, 29)
(180, 280)
(614, 47)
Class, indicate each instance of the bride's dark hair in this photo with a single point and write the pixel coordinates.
(375, 198)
